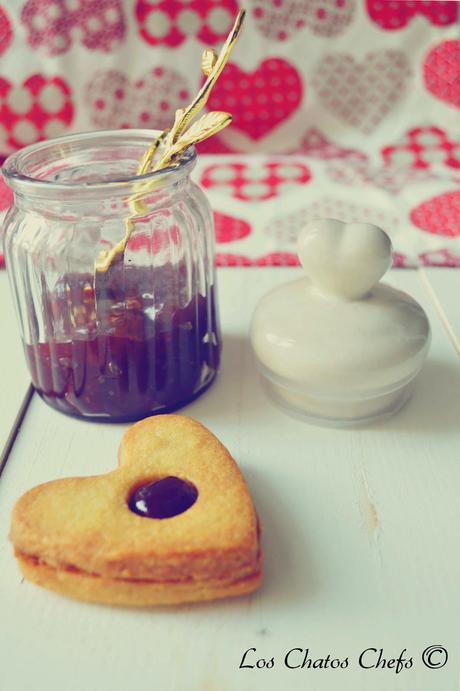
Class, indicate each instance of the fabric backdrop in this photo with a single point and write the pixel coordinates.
(342, 108)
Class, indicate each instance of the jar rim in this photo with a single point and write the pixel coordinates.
(14, 166)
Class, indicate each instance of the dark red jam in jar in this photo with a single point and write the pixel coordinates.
(131, 354)
(142, 336)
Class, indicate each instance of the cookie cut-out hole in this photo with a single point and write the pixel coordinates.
(163, 498)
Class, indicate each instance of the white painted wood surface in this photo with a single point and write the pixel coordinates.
(361, 537)
(15, 380)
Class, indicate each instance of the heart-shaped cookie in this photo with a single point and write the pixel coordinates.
(39, 108)
(441, 72)
(396, 15)
(173, 523)
(261, 100)
(362, 94)
(151, 101)
(345, 260)
(53, 24)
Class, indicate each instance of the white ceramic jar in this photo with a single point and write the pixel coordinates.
(336, 346)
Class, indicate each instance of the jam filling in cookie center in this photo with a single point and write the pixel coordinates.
(163, 498)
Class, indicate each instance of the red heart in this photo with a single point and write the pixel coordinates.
(40, 108)
(279, 21)
(441, 72)
(6, 31)
(362, 94)
(169, 23)
(255, 181)
(422, 146)
(439, 215)
(395, 15)
(100, 24)
(259, 100)
(6, 195)
(214, 145)
(229, 229)
(115, 101)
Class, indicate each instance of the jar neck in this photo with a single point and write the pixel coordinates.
(142, 201)
(94, 174)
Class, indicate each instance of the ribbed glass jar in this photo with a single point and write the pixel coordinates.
(142, 337)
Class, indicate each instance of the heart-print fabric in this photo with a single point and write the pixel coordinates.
(115, 101)
(355, 102)
(361, 95)
(281, 20)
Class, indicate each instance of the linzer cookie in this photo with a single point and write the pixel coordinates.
(173, 523)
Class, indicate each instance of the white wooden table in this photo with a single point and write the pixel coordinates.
(361, 531)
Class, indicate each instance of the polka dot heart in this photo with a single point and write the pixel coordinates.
(362, 94)
(314, 143)
(167, 23)
(53, 24)
(259, 100)
(422, 147)
(39, 108)
(279, 20)
(228, 228)
(6, 31)
(439, 215)
(442, 257)
(391, 15)
(285, 228)
(151, 101)
(253, 182)
(392, 179)
(441, 72)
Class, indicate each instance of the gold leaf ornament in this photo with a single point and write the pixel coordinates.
(208, 60)
(206, 126)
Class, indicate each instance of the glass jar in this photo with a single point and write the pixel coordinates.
(142, 337)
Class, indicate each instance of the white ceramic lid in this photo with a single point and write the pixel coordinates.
(338, 331)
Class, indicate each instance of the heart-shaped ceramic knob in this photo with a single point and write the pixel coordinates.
(344, 259)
